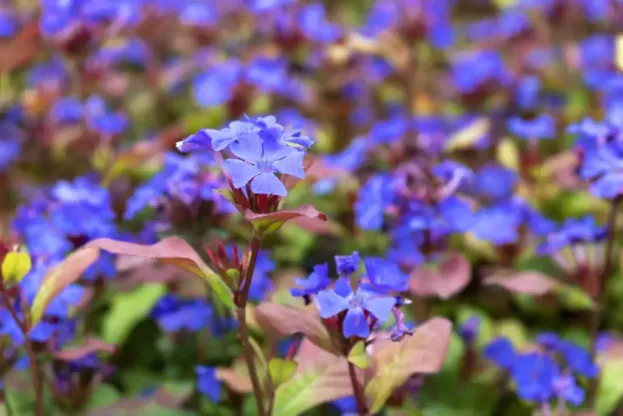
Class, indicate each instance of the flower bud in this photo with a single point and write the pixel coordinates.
(15, 266)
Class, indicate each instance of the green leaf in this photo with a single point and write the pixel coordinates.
(574, 298)
(610, 389)
(424, 352)
(175, 251)
(128, 309)
(15, 266)
(59, 277)
(358, 355)
(104, 395)
(281, 370)
(321, 377)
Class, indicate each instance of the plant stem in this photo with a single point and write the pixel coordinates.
(34, 371)
(600, 295)
(360, 398)
(247, 349)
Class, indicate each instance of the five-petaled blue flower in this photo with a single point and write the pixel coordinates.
(318, 280)
(358, 306)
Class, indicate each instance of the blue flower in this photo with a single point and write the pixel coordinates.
(198, 14)
(549, 340)
(495, 182)
(357, 305)
(469, 329)
(10, 150)
(541, 127)
(347, 265)
(578, 359)
(527, 92)
(472, 71)
(313, 24)
(604, 166)
(261, 170)
(261, 283)
(216, 86)
(8, 25)
(207, 383)
(501, 352)
(567, 388)
(350, 158)
(572, 231)
(385, 276)
(67, 110)
(374, 198)
(174, 314)
(318, 280)
(101, 119)
(534, 375)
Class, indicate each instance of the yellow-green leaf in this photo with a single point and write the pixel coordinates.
(358, 355)
(175, 251)
(59, 277)
(281, 370)
(15, 266)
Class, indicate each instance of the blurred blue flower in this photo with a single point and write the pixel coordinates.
(572, 231)
(312, 22)
(495, 182)
(207, 383)
(175, 314)
(473, 70)
(8, 24)
(501, 352)
(101, 119)
(374, 198)
(67, 110)
(527, 92)
(469, 329)
(604, 166)
(539, 128)
(534, 375)
(578, 359)
(216, 86)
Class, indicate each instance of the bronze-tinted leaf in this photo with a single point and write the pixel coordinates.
(289, 321)
(272, 221)
(450, 276)
(172, 250)
(529, 282)
(59, 277)
(240, 383)
(89, 346)
(394, 362)
(320, 377)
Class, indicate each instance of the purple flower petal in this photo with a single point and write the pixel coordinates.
(356, 324)
(197, 141)
(379, 306)
(240, 172)
(268, 183)
(330, 303)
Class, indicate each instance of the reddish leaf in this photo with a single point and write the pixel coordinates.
(237, 382)
(172, 250)
(319, 170)
(318, 226)
(59, 277)
(89, 346)
(272, 221)
(320, 377)
(449, 278)
(529, 283)
(289, 321)
(424, 352)
(19, 49)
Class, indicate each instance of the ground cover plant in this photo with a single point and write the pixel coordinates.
(288, 207)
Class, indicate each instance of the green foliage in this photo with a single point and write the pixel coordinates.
(127, 310)
(358, 355)
(281, 370)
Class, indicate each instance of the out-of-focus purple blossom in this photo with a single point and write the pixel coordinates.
(501, 352)
(216, 86)
(348, 264)
(539, 128)
(572, 231)
(469, 329)
(314, 25)
(374, 198)
(385, 276)
(473, 70)
(495, 182)
(207, 383)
